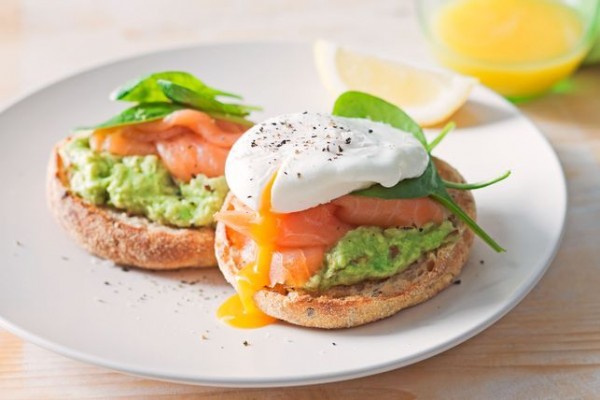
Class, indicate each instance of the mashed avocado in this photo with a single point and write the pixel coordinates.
(141, 185)
(376, 253)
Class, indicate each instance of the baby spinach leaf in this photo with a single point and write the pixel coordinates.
(201, 100)
(444, 199)
(411, 188)
(361, 105)
(147, 90)
(161, 93)
(144, 112)
(446, 130)
(231, 118)
(478, 185)
(354, 104)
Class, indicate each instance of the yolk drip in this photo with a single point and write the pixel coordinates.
(240, 310)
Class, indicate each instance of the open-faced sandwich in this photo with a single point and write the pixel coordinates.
(141, 189)
(338, 220)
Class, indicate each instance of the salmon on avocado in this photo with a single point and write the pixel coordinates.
(141, 188)
(303, 237)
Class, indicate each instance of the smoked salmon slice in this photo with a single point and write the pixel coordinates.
(206, 126)
(291, 266)
(119, 144)
(317, 226)
(362, 210)
(295, 266)
(189, 142)
(188, 155)
(239, 220)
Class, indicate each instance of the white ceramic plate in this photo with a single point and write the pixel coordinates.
(163, 325)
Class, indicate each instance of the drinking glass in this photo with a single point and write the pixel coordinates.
(473, 37)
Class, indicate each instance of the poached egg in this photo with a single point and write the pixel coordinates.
(317, 157)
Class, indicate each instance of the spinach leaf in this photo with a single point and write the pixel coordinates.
(162, 93)
(446, 130)
(144, 112)
(147, 90)
(478, 185)
(411, 188)
(202, 100)
(361, 105)
(444, 199)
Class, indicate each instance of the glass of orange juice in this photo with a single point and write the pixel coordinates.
(520, 48)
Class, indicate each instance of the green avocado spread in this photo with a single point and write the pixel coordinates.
(141, 185)
(369, 253)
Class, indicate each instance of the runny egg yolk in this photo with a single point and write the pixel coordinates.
(240, 310)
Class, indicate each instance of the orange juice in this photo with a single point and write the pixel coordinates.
(517, 47)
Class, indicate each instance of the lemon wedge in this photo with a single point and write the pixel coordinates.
(428, 96)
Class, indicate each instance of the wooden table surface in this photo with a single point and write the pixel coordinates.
(548, 347)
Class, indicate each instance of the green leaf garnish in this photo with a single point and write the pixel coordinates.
(478, 185)
(411, 188)
(202, 100)
(361, 105)
(162, 93)
(144, 112)
(444, 199)
(446, 130)
(147, 90)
